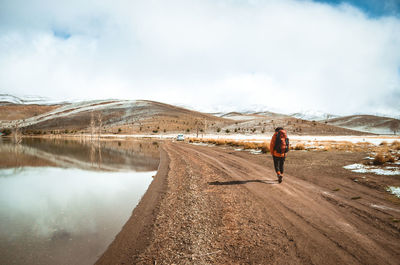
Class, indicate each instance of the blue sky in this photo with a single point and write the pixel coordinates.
(339, 57)
(374, 8)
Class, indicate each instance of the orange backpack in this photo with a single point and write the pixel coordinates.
(282, 142)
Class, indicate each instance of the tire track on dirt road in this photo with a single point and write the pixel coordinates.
(303, 205)
(219, 207)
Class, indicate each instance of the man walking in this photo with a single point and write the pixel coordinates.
(279, 147)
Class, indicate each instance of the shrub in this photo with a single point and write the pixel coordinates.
(265, 148)
(120, 130)
(379, 159)
(396, 145)
(327, 148)
(249, 145)
(218, 129)
(227, 131)
(155, 131)
(187, 130)
(299, 146)
(390, 158)
(346, 146)
(219, 142)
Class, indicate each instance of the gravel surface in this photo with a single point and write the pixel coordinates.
(210, 205)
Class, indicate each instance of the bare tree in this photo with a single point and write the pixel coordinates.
(205, 128)
(99, 124)
(199, 126)
(92, 126)
(17, 138)
(395, 126)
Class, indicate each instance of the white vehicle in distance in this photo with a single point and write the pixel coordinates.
(180, 137)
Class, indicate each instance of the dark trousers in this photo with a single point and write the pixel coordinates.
(278, 163)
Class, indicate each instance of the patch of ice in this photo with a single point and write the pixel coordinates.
(354, 166)
(201, 144)
(380, 171)
(255, 152)
(394, 190)
(360, 168)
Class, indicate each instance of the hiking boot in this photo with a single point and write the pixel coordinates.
(280, 178)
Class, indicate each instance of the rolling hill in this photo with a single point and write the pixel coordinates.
(367, 123)
(150, 117)
(122, 116)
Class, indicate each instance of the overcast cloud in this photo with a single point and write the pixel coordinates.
(285, 55)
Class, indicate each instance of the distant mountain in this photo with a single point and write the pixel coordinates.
(27, 100)
(367, 123)
(239, 116)
(122, 116)
(312, 115)
(148, 117)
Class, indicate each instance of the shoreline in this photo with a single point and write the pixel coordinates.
(136, 233)
(367, 138)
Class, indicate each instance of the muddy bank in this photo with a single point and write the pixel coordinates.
(210, 205)
(136, 234)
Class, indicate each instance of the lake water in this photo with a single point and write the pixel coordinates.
(63, 202)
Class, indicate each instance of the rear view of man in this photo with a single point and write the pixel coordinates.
(279, 147)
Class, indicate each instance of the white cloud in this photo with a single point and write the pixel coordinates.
(203, 53)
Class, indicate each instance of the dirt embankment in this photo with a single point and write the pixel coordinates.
(217, 206)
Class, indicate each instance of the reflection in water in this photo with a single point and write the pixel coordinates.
(61, 205)
(90, 155)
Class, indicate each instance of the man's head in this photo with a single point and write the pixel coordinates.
(278, 129)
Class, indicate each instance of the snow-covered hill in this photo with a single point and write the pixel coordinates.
(313, 115)
(11, 99)
(368, 123)
(128, 115)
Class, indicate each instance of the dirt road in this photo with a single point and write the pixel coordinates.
(209, 205)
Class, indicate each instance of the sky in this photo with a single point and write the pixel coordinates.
(339, 57)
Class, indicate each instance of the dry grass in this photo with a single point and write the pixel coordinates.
(300, 146)
(379, 159)
(390, 158)
(264, 146)
(384, 152)
(345, 146)
(395, 145)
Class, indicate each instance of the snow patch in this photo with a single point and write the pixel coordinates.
(311, 115)
(360, 168)
(394, 190)
(255, 152)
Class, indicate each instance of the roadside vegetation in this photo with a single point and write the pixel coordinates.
(379, 155)
(262, 146)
